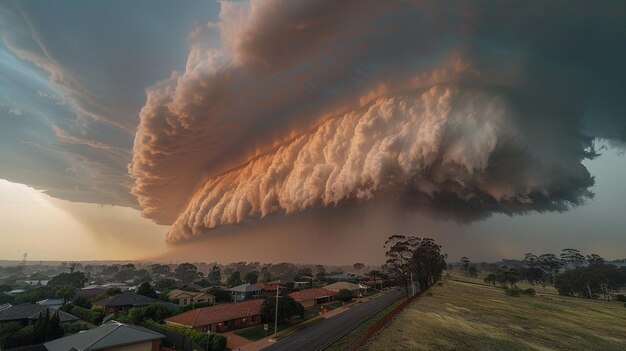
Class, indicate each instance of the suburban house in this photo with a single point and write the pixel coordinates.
(302, 284)
(221, 318)
(92, 291)
(55, 304)
(245, 292)
(344, 277)
(313, 297)
(123, 302)
(355, 289)
(267, 286)
(112, 336)
(27, 313)
(185, 298)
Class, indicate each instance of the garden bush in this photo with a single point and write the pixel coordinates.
(343, 295)
(529, 292)
(216, 342)
(515, 291)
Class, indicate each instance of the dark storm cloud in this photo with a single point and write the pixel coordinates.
(73, 78)
(478, 106)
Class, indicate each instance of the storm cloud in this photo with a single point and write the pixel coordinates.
(317, 103)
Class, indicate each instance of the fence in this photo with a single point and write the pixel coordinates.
(177, 340)
(361, 340)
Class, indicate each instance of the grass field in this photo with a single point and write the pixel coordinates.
(468, 315)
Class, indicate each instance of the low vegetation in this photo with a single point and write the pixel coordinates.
(214, 342)
(472, 315)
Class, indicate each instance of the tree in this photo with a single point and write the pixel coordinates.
(187, 273)
(465, 263)
(75, 279)
(156, 312)
(399, 255)
(128, 267)
(251, 277)
(113, 291)
(358, 266)
(572, 258)
(304, 273)
(266, 275)
(427, 263)
(287, 308)
(47, 327)
(321, 273)
(491, 278)
(234, 279)
(160, 269)
(66, 292)
(146, 290)
(591, 281)
(72, 266)
(221, 295)
(594, 259)
(165, 284)
(81, 301)
(215, 276)
(472, 271)
(375, 274)
(551, 265)
(343, 295)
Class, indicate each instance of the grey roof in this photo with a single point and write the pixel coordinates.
(111, 334)
(50, 302)
(245, 288)
(32, 311)
(126, 299)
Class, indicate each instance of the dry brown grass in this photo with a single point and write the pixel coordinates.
(468, 315)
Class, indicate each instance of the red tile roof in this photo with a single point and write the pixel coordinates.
(267, 286)
(219, 313)
(310, 294)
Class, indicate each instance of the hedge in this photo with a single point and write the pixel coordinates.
(215, 342)
(87, 315)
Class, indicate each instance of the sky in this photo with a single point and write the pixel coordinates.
(309, 131)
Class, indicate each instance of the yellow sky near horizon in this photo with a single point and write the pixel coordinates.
(52, 229)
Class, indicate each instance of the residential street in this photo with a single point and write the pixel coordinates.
(322, 334)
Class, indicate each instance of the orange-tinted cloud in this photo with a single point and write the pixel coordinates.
(465, 107)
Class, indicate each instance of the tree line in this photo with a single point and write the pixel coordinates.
(571, 273)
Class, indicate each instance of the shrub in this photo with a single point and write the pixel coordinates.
(109, 317)
(620, 297)
(92, 316)
(73, 328)
(515, 292)
(81, 301)
(529, 292)
(439, 283)
(343, 295)
(133, 316)
(429, 293)
(156, 312)
(21, 337)
(216, 342)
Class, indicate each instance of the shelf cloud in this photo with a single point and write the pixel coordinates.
(481, 106)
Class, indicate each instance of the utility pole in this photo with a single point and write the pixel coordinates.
(276, 315)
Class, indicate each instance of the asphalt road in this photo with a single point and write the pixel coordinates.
(321, 335)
